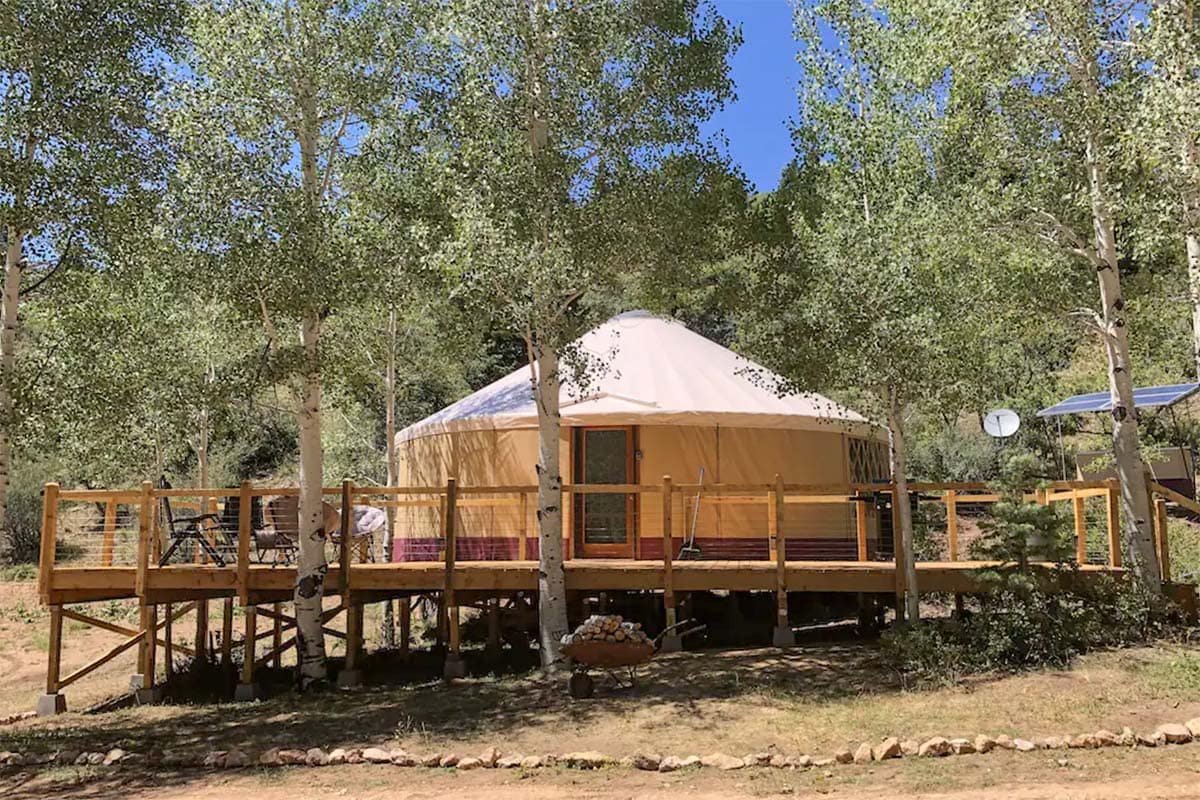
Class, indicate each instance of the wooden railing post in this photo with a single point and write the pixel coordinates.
(860, 528)
(1080, 527)
(110, 532)
(245, 521)
(783, 635)
(1162, 539)
(523, 542)
(49, 541)
(1114, 523)
(347, 526)
(951, 498)
(145, 533)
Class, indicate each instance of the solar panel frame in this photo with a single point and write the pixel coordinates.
(1144, 397)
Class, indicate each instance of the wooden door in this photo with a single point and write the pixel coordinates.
(604, 522)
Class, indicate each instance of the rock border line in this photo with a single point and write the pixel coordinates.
(891, 747)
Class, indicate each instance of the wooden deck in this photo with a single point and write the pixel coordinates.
(473, 579)
(83, 562)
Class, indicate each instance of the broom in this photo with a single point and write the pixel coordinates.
(689, 551)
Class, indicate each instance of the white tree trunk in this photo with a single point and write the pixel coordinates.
(8, 363)
(1191, 235)
(1140, 555)
(387, 624)
(310, 565)
(899, 458)
(552, 584)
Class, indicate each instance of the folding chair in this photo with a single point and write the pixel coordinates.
(189, 529)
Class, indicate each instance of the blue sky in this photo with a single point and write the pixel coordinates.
(766, 74)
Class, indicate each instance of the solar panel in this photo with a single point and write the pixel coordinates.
(1145, 397)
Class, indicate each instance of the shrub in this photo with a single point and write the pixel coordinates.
(23, 519)
(1044, 619)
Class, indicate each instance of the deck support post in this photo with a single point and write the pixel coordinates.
(351, 675)
(145, 683)
(671, 642)
(277, 636)
(201, 647)
(52, 702)
(493, 647)
(246, 689)
(404, 609)
(169, 645)
(783, 635)
(227, 634)
(455, 667)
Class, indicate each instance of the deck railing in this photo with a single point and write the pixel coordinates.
(777, 522)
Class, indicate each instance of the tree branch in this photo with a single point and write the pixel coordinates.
(62, 259)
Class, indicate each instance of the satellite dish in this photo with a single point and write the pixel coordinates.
(1001, 423)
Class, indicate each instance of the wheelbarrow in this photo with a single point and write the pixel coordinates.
(611, 657)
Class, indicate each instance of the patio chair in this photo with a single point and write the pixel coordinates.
(263, 539)
(283, 525)
(197, 529)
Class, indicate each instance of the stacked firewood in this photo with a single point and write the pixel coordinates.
(607, 628)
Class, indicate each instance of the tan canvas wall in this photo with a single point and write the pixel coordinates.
(729, 455)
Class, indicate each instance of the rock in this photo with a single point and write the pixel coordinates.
(721, 761)
(757, 759)
(1084, 741)
(489, 757)
(1128, 737)
(113, 756)
(1174, 733)
(468, 763)
(64, 757)
(432, 760)
(449, 760)
(376, 755)
(670, 764)
(236, 759)
(647, 761)
(215, 759)
(864, 754)
(888, 748)
(803, 762)
(1193, 726)
(532, 762)
(823, 762)
(268, 758)
(962, 747)
(984, 744)
(909, 747)
(934, 748)
(508, 762)
(1053, 743)
(337, 756)
(689, 761)
(354, 756)
(780, 761)
(588, 759)
(95, 759)
(1151, 740)
(292, 758)
(316, 757)
(1023, 745)
(402, 758)
(1005, 742)
(844, 756)
(1106, 738)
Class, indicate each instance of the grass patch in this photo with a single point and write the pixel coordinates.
(1185, 549)
(18, 572)
(1178, 673)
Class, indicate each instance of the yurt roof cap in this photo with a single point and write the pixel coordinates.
(649, 370)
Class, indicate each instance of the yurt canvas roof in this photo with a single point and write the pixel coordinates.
(648, 370)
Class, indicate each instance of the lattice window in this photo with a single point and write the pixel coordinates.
(868, 461)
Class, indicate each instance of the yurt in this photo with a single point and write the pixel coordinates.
(659, 400)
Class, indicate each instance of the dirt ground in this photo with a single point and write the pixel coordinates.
(831, 691)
